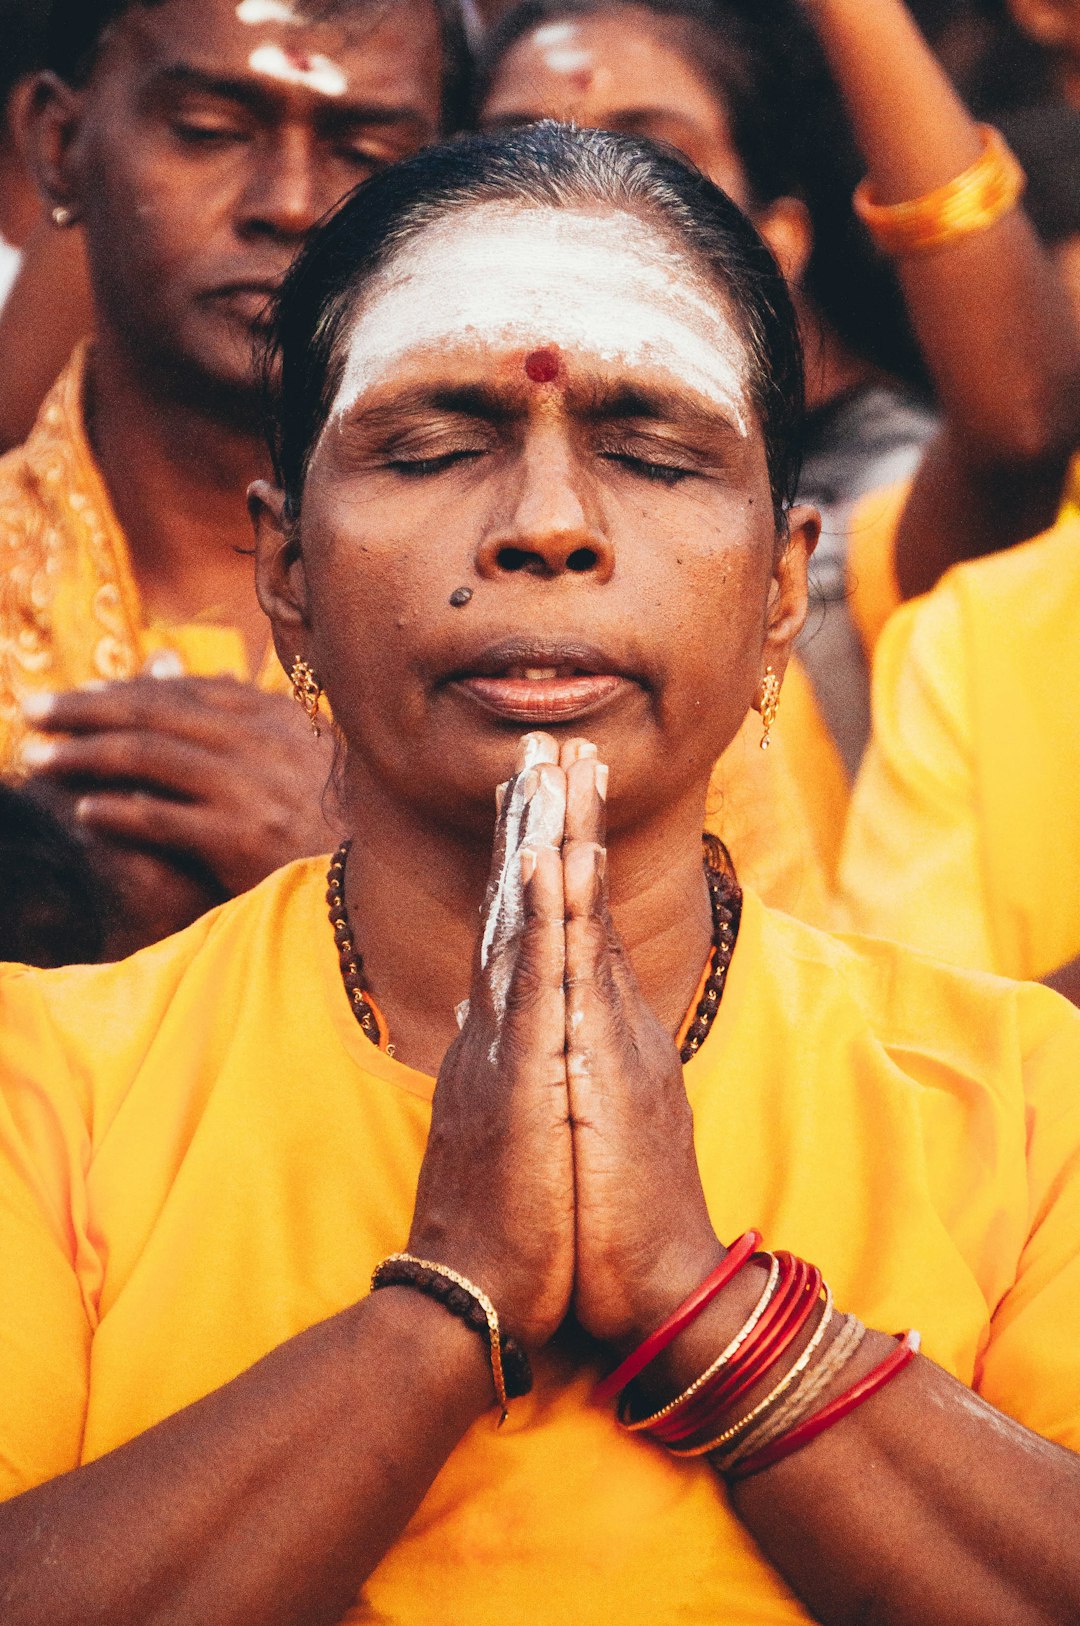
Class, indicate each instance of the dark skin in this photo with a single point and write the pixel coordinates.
(196, 157)
(560, 1105)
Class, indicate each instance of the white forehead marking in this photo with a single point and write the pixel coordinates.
(499, 274)
(560, 46)
(317, 73)
(256, 12)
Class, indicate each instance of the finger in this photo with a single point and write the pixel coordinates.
(574, 750)
(186, 706)
(527, 985)
(535, 815)
(533, 749)
(146, 820)
(586, 801)
(123, 755)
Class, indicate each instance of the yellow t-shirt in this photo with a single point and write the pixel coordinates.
(964, 833)
(70, 608)
(201, 1155)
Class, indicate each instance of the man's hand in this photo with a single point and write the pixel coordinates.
(643, 1235)
(209, 770)
(496, 1191)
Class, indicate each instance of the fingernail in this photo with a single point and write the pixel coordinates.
(84, 807)
(603, 773)
(37, 753)
(528, 864)
(37, 706)
(601, 862)
(586, 750)
(500, 795)
(461, 1013)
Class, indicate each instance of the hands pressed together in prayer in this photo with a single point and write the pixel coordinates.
(189, 790)
(560, 1171)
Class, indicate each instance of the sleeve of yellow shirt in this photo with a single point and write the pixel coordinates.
(45, 1327)
(911, 868)
(1029, 1367)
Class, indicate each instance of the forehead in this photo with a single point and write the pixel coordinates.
(385, 52)
(598, 288)
(628, 70)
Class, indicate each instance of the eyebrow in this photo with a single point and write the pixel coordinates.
(260, 99)
(596, 402)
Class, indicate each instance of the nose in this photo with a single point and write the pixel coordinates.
(283, 198)
(551, 524)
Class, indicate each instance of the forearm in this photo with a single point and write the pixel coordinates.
(921, 1508)
(269, 1502)
(990, 311)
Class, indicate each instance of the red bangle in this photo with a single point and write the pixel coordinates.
(703, 1414)
(680, 1319)
(796, 1438)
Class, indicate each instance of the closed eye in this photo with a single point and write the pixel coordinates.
(667, 474)
(417, 467)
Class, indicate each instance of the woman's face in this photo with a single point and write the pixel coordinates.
(626, 70)
(541, 500)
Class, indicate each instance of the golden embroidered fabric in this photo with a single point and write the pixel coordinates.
(70, 608)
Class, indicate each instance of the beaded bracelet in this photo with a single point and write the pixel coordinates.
(510, 1369)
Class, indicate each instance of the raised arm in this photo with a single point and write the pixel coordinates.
(269, 1502)
(990, 311)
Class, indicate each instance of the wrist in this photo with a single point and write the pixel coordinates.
(431, 1353)
(695, 1349)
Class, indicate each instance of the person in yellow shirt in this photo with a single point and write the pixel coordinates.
(210, 1152)
(194, 145)
(966, 815)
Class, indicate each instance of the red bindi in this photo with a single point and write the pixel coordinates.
(542, 366)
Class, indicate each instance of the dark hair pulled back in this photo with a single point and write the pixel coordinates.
(547, 165)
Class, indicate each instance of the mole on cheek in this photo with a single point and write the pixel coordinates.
(542, 366)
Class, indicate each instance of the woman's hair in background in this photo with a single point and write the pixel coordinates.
(550, 166)
(763, 62)
(76, 29)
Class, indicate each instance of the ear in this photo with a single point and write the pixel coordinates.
(1044, 21)
(49, 123)
(280, 577)
(788, 592)
(787, 228)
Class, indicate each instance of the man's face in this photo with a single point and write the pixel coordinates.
(212, 135)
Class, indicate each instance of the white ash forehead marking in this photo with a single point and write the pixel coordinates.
(317, 73)
(562, 49)
(603, 285)
(257, 12)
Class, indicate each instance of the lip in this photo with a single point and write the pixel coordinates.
(582, 681)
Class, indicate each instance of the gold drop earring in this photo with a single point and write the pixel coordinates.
(770, 704)
(307, 692)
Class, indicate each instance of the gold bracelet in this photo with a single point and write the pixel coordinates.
(803, 1401)
(973, 202)
(721, 1360)
(770, 1400)
(490, 1313)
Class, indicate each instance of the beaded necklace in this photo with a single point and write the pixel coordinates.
(725, 898)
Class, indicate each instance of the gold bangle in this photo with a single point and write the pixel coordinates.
(973, 202)
(802, 1402)
(490, 1313)
(770, 1400)
(721, 1360)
